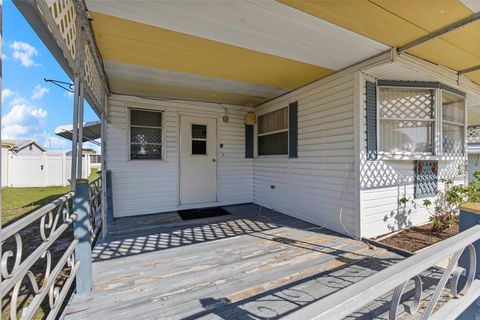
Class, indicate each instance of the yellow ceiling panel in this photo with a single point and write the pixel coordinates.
(148, 89)
(397, 23)
(129, 42)
(430, 15)
(443, 53)
(363, 17)
(466, 39)
(474, 76)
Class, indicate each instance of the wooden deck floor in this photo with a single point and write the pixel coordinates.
(240, 266)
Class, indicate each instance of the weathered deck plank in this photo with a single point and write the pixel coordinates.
(243, 266)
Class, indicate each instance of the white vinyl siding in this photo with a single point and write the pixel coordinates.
(145, 187)
(318, 186)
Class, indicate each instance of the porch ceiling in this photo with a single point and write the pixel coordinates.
(249, 51)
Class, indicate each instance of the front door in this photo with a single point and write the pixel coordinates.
(198, 160)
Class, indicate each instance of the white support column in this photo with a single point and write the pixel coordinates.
(73, 172)
(80, 127)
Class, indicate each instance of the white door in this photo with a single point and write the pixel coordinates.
(198, 160)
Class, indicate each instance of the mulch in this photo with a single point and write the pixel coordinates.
(416, 238)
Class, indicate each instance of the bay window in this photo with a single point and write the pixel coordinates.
(411, 119)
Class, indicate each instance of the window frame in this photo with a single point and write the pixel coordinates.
(129, 133)
(258, 135)
(442, 122)
(437, 135)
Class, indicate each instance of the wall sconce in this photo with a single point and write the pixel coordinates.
(225, 117)
(250, 118)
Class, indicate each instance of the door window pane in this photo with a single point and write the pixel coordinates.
(199, 131)
(199, 139)
(199, 147)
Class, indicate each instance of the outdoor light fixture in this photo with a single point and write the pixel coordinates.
(250, 117)
(225, 117)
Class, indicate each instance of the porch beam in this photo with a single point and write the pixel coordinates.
(468, 70)
(440, 32)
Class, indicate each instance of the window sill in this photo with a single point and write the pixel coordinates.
(411, 157)
(273, 156)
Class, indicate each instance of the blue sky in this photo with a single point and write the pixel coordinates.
(31, 107)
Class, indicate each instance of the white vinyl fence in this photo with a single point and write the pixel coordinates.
(48, 169)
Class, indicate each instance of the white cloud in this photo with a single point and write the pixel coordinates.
(7, 93)
(24, 53)
(68, 94)
(38, 92)
(23, 122)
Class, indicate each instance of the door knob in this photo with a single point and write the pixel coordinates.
(214, 160)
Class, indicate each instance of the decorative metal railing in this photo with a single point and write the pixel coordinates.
(32, 265)
(96, 215)
(473, 134)
(393, 281)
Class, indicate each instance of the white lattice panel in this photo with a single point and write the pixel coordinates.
(92, 77)
(406, 103)
(473, 134)
(63, 12)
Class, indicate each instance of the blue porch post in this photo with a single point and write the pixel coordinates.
(470, 217)
(109, 199)
(81, 226)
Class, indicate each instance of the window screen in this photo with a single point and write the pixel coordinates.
(453, 124)
(145, 134)
(273, 133)
(406, 120)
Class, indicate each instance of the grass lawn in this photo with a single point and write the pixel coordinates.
(18, 202)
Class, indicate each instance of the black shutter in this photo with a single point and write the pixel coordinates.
(371, 120)
(293, 130)
(249, 141)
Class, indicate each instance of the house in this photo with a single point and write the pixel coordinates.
(327, 112)
(23, 147)
(339, 133)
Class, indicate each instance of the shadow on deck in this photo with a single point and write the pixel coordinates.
(247, 265)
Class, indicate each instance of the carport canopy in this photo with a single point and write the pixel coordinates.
(91, 131)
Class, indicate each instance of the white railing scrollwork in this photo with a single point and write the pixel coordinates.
(458, 282)
(30, 242)
(96, 218)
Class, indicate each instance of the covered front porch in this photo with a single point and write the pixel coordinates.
(252, 264)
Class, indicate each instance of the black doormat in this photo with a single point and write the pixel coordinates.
(202, 213)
